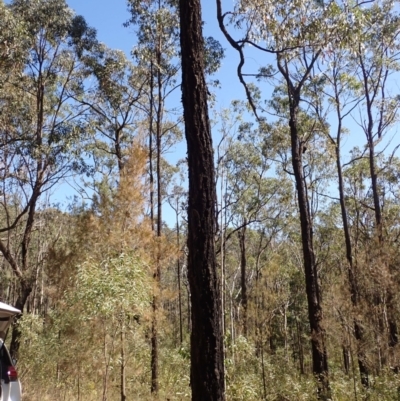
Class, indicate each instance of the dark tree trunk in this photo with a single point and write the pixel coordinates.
(207, 362)
(319, 354)
(393, 334)
(118, 149)
(123, 361)
(26, 277)
(353, 283)
(151, 169)
(178, 267)
(243, 273)
(300, 347)
(25, 291)
(374, 187)
(157, 272)
(346, 359)
(354, 293)
(374, 129)
(154, 342)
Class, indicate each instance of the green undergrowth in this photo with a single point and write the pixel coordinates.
(51, 369)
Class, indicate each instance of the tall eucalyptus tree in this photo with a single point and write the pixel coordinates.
(112, 107)
(296, 35)
(378, 60)
(156, 54)
(255, 199)
(206, 349)
(40, 126)
(342, 90)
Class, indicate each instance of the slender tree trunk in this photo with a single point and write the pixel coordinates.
(178, 267)
(319, 354)
(22, 270)
(243, 274)
(189, 309)
(264, 381)
(223, 223)
(105, 374)
(207, 360)
(346, 359)
(353, 284)
(285, 331)
(154, 343)
(315, 316)
(300, 348)
(151, 172)
(123, 361)
(157, 273)
(374, 130)
(24, 292)
(375, 190)
(118, 149)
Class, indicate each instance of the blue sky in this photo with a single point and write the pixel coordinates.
(107, 16)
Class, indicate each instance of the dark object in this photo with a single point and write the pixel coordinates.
(207, 366)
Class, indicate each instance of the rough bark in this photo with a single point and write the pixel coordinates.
(319, 354)
(207, 366)
(243, 274)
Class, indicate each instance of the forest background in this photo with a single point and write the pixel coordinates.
(308, 198)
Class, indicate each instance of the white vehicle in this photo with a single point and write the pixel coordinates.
(10, 386)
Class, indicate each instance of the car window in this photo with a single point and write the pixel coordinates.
(5, 362)
(4, 355)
